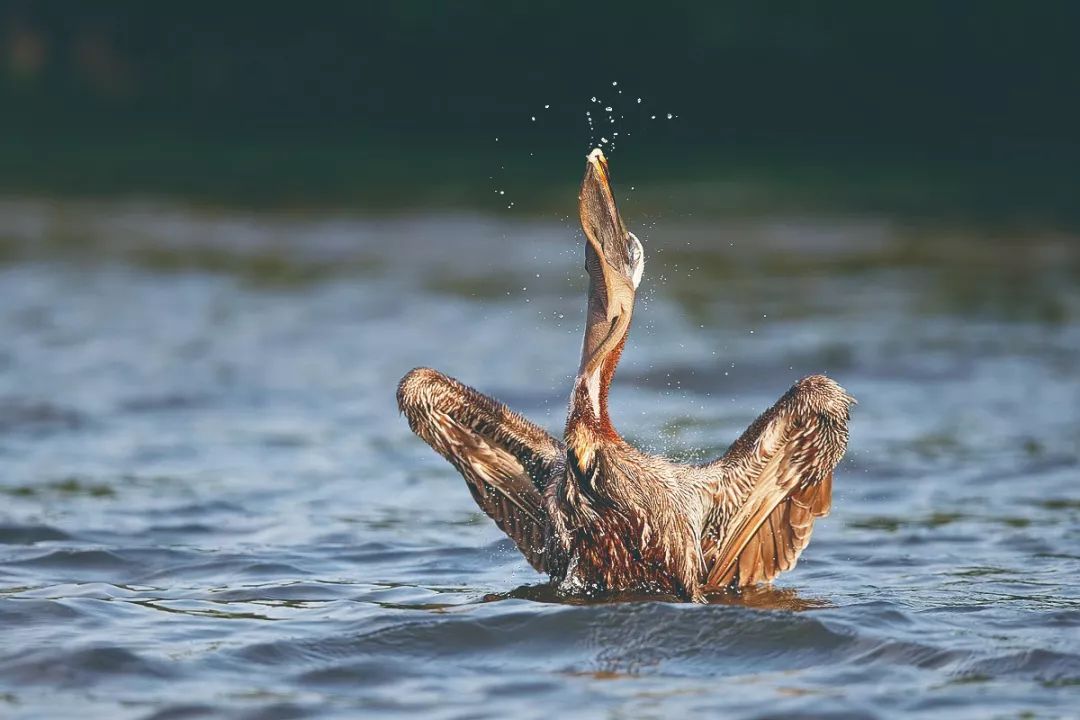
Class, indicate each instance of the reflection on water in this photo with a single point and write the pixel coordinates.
(210, 507)
(763, 597)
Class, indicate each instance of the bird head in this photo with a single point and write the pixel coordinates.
(614, 261)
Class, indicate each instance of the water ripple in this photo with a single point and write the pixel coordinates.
(210, 507)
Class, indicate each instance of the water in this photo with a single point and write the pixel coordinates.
(209, 506)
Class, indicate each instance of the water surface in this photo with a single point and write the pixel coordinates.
(209, 506)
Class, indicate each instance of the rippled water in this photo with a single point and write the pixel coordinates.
(210, 508)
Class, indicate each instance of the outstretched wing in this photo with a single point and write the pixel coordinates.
(505, 459)
(773, 482)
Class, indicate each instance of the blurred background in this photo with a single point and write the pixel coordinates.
(227, 230)
(909, 107)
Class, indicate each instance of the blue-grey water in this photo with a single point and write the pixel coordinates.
(209, 506)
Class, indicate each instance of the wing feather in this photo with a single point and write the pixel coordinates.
(505, 459)
(774, 481)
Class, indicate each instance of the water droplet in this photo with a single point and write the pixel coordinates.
(533, 118)
(607, 109)
(639, 101)
(546, 107)
(652, 117)
(669, 116)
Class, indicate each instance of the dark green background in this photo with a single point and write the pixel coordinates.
(926, 108)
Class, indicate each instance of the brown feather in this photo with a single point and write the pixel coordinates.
(504, 458)
(786, 459)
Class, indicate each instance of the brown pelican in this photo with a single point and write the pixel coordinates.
(599, 515)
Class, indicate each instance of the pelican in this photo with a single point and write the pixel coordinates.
(599, 515)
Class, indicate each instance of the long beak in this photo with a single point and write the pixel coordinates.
(610, 262)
